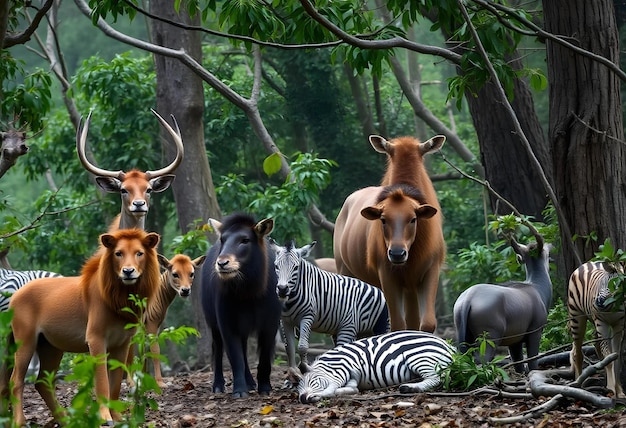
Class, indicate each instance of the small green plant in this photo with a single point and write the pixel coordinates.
(7, 352)
(614, 261)
(464, 374)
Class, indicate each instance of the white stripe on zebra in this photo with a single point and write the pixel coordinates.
(390, 359)
(13, 280)
(325, 302)
(587, 293)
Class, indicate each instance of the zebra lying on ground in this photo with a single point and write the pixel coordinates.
(389, 359)
(587, 293)
(13, 280)
(317, 300)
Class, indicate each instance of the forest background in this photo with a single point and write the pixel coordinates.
(275, 102)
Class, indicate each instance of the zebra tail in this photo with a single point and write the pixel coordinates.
(382, 323)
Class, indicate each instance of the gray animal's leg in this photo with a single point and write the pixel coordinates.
(517, 354)
(532, 349)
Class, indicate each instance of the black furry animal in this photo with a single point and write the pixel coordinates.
(238, 293)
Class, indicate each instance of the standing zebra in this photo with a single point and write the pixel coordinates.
(586, 296)
(317, 300)
(381, 361)
(13, 280)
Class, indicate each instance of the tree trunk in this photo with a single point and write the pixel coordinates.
(180, 92)
(507, 164)
(586, 131)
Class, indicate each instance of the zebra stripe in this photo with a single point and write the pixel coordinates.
(325, 302)
(587, 293)
(381, 361)
(13, 280)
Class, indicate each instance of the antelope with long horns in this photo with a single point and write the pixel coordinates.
(135, 186)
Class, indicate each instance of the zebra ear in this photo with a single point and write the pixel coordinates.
(306, 250)
(293, 376)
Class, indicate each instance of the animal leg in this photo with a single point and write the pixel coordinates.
(155, 349)
(348, 389)
(426, 296)
(577, 327)
(218, 368)
(246, 367)
(532, 349)
(236, 352)
(394, 303)
(115, 377)
(22, 358)
(517, 354)
(49, 363)
(412, 309)
(303, 343)
(267, 344)
(97, 348)
(611, 341)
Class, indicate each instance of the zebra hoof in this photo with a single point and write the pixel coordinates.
(407, 389)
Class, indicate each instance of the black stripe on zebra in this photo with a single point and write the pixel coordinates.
(381, 361)
(325, 302)
(587, 293)
(13, 280)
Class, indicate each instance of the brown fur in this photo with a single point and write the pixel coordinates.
(83, 314)
(404, 253)
(176, 280)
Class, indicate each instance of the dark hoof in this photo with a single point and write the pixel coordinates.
(240, 395)
(264, 393)
(218, 389)
(404, 389)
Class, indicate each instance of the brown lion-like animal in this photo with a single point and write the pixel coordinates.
(83, 314)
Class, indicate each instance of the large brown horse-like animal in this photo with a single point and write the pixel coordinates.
(391, 235)
(83, 314)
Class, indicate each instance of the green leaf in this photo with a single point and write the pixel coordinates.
(272, 164)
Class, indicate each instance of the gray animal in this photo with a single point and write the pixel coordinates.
(411, 359)
(512, 314)
(317, 300)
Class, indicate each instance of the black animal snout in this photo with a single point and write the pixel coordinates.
(397, 255)
(139, 203)
(222, 263)
(128, 271)
(282, 290)
(185, 292)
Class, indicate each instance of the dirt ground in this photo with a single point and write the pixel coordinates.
(189, 402)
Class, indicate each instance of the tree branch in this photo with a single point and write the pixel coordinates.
(24, 36)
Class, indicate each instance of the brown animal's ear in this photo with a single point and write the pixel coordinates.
(425, 211)
(371, 213)
(161, 183)
(108, 240)
(164, 262)
(109, 184)
(264, 227)
(198, 262)
(151, 240)
(380, 144)
(432, 145)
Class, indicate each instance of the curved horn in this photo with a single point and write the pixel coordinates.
(81, 140)
(180, 151)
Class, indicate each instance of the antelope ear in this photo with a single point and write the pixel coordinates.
(371, 213)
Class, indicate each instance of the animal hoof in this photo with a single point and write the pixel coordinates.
(240, 395)
(406, 389)
(218, 390)
(108, 424)
(264, 393)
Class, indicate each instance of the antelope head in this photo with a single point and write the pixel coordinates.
(134, 186)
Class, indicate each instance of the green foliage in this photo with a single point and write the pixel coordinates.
(464, 374)
(555, 332)
(7, 352)
(286, 204)
(26, 97)
(614, 261)
(192, 242)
